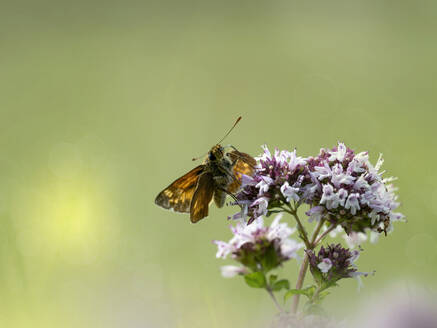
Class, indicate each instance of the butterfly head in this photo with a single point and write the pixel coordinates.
(216, 153)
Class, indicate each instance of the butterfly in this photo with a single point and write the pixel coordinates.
(219, 175)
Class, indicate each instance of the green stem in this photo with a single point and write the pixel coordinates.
(302, 271)
(304, 265)
(278, 306)
(300, 227)
(316, 295)
(323, 235)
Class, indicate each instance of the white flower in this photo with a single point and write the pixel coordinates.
(264, 185)
(279, 230)
(395, 216)
(325, 265)
(289, 248)
(223, 249)
(379, 163)
(245, 233)
(290, 192)
(361, 184)
(328, 196)
(230, 271)
(294, 161)
(339, 154)
(357, 275)
(333, 199)
(316, 213)
(339, 178)
(352, 203)
(266, 154)
(334, 232)
(355, 238)
(322, 172)
(341, 196)
(262, 204)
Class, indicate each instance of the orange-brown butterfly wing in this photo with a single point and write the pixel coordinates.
(245, 164)
(202, 197)
(178, 195)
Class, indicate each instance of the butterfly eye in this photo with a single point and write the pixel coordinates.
(211, 157)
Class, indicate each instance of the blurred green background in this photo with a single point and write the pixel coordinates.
(103, 104)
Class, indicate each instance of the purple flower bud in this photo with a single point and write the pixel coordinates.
(334, 263)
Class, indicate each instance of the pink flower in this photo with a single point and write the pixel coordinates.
(253, 241)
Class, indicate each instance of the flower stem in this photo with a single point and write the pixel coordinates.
(299, 283)
(323, 235)
(300, 227)
(278, 306)
(304, 266)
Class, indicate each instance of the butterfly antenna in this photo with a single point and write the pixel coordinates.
(199, 157)
(233, 126)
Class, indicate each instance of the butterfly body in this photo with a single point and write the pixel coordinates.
(218, 175)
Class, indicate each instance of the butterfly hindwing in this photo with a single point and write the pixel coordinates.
(179, 194)
(202, 197)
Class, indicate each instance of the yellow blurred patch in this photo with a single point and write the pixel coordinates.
(69, 214)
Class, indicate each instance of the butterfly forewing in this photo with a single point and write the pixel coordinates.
(202, 197)
(178, 195)
(244, 164)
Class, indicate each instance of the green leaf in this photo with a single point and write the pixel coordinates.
(292, 292)
(281, 284)
(308, 292)
(317, 275)
(269, 259)
(255, 279)
(323, 294)
(328, 284)
(272, 279)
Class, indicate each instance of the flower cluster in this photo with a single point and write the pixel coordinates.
(333, 263)
(277, 180)
(350, 191)
(340, 186)
(258, 247)
(344, 193)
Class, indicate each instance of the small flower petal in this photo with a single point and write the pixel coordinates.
(230, 271)
(325, 265)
